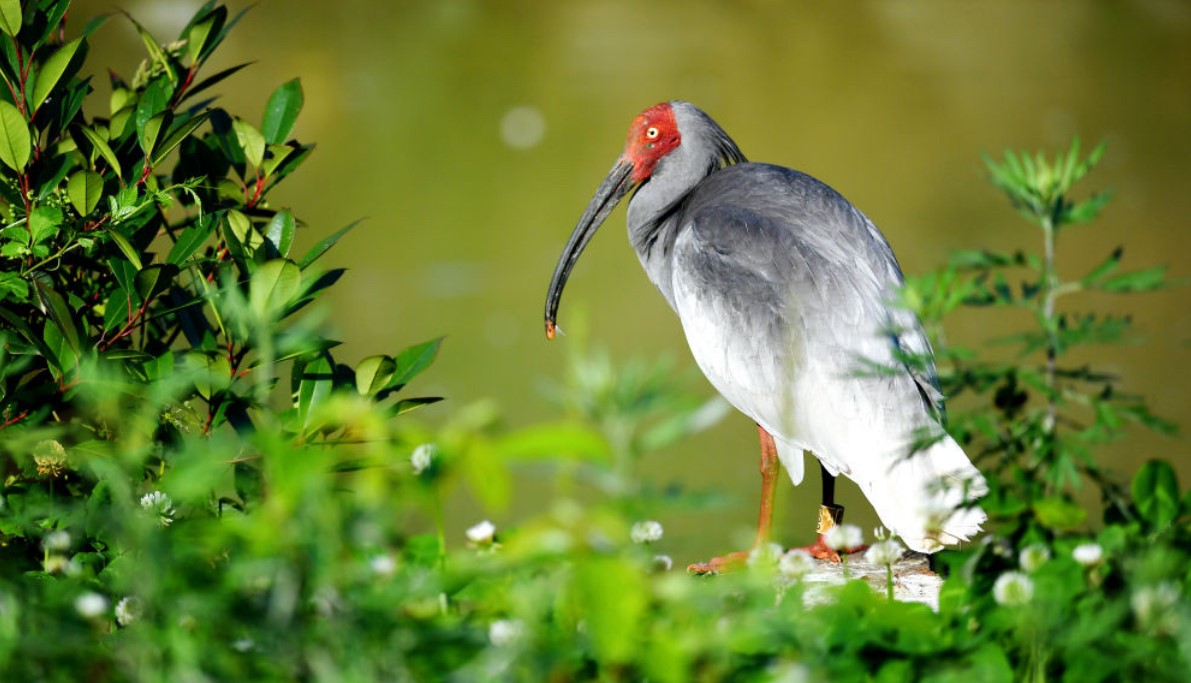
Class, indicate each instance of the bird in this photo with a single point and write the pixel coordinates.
(787, 295)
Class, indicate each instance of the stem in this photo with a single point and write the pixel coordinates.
(1050, 288)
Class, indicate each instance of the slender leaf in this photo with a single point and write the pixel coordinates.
(126, 248)
(413, 361)
(52, 70)
(104, 150)
(177, 135)
(58, 310)
(281, 111)
(190, 240)
(324, 245)
(16, 145)
(1156, 493)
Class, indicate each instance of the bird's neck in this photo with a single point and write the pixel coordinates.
(654, 222)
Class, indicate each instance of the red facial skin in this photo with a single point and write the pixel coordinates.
(652, 135)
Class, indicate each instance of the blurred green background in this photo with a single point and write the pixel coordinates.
(471, 134)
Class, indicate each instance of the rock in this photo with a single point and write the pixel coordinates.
(913, 580)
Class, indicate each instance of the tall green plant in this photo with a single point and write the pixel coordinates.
(1040, 416)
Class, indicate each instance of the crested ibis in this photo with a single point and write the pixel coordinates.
(787, 296)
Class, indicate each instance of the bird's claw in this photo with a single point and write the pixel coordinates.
(820, 550)
(719, 565)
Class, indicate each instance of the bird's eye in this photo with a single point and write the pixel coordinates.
(651, 133)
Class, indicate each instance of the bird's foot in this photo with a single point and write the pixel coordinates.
(720, 565)
(820, 550)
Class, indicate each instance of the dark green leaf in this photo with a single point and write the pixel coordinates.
(314, 380)
(208, 82)
(151, 129)
(154, 279)
(281, 111)
(1156, 493)
(104, 150)
(177, 135)
(154, 100)
(1146, 280)
(126, 248)
(59, 312)
(44, 222)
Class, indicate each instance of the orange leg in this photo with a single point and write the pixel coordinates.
(771, 467)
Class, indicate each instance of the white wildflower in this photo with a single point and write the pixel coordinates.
(160, 505)
(56, 541)
(1088, 554)
(765, 555)
(383, 564)
(843, 537)
(482, 533)
(91, 605)
(1033, 556)
(885, 553)
(795, 564)
(1012, 589)
(505, 632)
(1154, 607)
(422, 457)
(663, 563)
(243, 644)
(648, 531)
(128, 610)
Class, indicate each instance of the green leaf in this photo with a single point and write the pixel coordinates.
(274, 155)
(314, 379)
(129, 252)
(612, 599)
(323, 246)
(10, 17)
(44, 222)
(280, 232)
(104, 150)
(155, 279)
(1146, 280)
(16, 145)
(251, 141)
(281, 111)
(373, 373)
(155, 52)
(1059, 513)
(13, 286)
(154, 100)
(1156, 493)
(413, 361)
(177, 135)
(190, 240)
(272, 286)
(196, 37)
(52, 70)
(84, 189)
(59, 312)
(151, 129)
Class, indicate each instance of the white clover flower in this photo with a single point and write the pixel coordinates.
(1153, 607)
(648, 531)
(482, 533)
(56, 541)
(1012, 589)
(1033, 556)
(422, 456)
(765, 555)
(843, 537)
(91, 605)
(795, 564)
(1088, 554)
(128, 610)
(885, 553)
(382, 564)
(663, 563)
(505, 632)
(159, 504)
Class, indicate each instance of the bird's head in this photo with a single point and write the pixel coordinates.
(652, 135)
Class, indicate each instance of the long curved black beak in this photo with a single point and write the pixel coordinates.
(615, 186)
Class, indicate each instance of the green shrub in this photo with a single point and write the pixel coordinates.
(168, 512)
